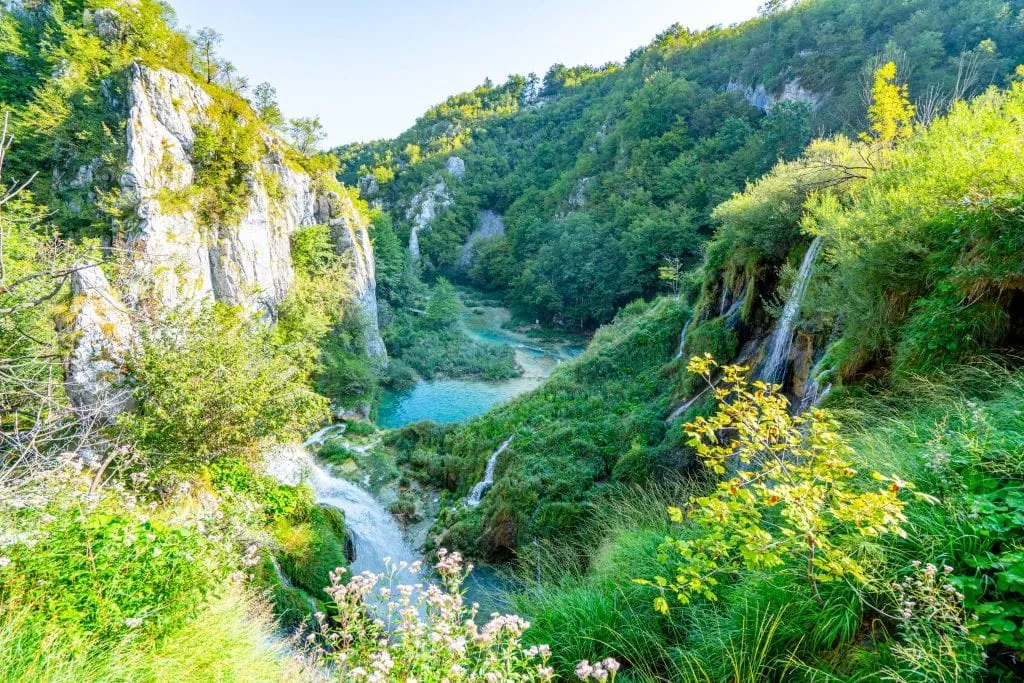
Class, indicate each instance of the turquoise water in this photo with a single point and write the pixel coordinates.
(448, 400)
(445, 401)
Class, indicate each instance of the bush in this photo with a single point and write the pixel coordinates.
(91, 570)
(209, 385)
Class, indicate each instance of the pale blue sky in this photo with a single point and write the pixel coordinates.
(370, 68)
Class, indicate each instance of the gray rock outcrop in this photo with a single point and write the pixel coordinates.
(758, 96)
(424, 207)
(350, 230)
(489, 226)
(578, 198)
(103, 336)
(457, 167)
(177, 259)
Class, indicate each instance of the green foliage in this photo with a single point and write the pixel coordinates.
(436, 344)
(926, 252)
(791, 494)
(615, 168)
(91, 569)
(443, 309)
(312, 249)
(209, 385)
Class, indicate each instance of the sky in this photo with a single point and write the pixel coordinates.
(369, 68)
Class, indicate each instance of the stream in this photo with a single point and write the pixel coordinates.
(375, 534)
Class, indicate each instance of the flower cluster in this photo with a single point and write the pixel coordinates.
(928, 599)
(598, 671)
(385, 630)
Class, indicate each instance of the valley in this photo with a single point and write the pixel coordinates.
(699, 366)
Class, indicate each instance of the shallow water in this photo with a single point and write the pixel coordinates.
(445, 401)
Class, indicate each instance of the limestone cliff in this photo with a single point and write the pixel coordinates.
(792, 91)
(177, 260)
(489, 226)
(430, 202)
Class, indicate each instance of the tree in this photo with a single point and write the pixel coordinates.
(443, 309)
(306, 134)
(209, 385)
(891, 114)
(264, 101)
(206, 42)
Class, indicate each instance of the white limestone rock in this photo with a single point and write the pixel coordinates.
(350, 230)
(456, 167)
(759, 96)
(168, 252)
(104, 335)
(424, 207)
(489, 226)
(578, 198)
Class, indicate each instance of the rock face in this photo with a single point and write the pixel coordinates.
(456, 167)
(578, 198)
(423, 208)
(103, 335)
(176, 261)
(489, 226)
(351, 232)
(759, 96)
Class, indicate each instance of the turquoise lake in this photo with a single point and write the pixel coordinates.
(454, 400)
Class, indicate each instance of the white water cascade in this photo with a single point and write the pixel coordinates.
(682, 338)
(773, 371)
(375, 533)
(481, 488)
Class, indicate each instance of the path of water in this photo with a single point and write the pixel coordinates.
(454, 400)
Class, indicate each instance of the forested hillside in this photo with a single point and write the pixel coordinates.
(855, 246)
(614, 169)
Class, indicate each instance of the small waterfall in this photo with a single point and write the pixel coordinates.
(774, 368)
(375, 533)
(817, 387)
(682, 338)
(481, 488)
(735, 313)
(724, 300)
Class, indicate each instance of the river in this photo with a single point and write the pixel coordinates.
(445, 401)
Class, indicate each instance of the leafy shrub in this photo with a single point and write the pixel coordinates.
(209, 385)
(790, 496)
(91, 569)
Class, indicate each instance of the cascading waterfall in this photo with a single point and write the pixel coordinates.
(774, 368)
(481, 488)
(375, 533)
(682, 338)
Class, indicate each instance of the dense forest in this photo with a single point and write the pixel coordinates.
(792, 450)
(614, 169)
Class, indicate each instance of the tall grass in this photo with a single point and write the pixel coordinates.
(231, 640)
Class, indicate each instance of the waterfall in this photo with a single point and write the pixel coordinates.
(774, 368)
(816, 388)
(682, 338)
(482, 487)
(375, 533)
(735, 312)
